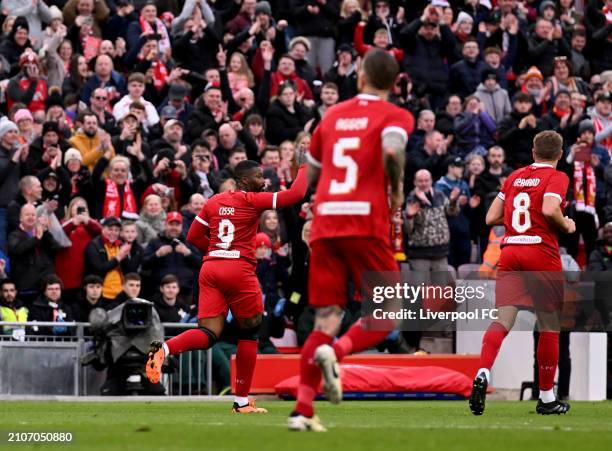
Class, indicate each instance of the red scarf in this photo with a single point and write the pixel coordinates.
(160, 74)
(112, 203)
(585, 194)
(599, 126)
(560, 113)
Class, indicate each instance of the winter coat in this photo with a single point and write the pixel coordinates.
(496, 102)
(424, 60)
(465, 76)
(321, 25)
(473, 130)
(70, 261)
(183, 267)
(149, 227)
(31, 258)
(281, 124)
(517, 143)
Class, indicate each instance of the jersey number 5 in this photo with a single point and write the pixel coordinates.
(226, 234)
(521, 220)
(343, 161)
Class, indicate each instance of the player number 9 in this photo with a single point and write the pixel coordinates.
(521, 220)
(226, 234)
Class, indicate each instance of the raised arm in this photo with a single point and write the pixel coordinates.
(267, 201)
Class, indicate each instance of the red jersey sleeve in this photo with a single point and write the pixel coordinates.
(557, 186)
(199, 231)
(504, 189)
(314, 155)
(279, 199)
(400, 121)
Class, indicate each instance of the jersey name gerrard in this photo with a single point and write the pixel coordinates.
(523, 193)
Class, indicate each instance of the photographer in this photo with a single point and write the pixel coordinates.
(170, 254)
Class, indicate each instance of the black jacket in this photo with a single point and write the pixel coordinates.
(425, 61)
(419, 159)
(516, 142)
(45, 310)
(184, 268)
(201, 119)
(321, 24)
(465, 76)
(31, 258)
(9, 177)
(282, 124)
(97, 262)
(347, 84)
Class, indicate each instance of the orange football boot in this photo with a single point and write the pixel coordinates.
(155, 361)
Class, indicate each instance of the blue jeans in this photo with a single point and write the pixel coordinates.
(3, 229)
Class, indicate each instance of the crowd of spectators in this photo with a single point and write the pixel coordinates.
(121, 118)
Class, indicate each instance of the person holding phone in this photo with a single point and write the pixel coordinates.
(70, 262)
(587, 161)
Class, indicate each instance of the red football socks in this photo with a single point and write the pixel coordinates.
(188, 341)
(246, 357)
(310, 374)
(357, 339)
(491, 342)
(548, 357)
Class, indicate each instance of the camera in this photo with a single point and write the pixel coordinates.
(81, 210)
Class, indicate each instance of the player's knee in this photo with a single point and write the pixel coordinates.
(212, 337)
(249, 334)
(250, 323)
(328, 320)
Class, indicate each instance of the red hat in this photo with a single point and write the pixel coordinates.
(261, 239)
(174, 216)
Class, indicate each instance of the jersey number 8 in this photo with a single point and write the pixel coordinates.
(521, 220)
(343, 161)
(226, 234)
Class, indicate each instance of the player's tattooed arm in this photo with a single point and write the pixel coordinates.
(394, 155)
(312, 174)
(495, 215)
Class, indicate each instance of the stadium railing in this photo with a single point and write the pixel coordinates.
(32, 364)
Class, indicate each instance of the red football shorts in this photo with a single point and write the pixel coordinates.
(529, 277)
(229, 285)
(335, 261)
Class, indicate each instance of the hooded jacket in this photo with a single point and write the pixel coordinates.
(496, 102)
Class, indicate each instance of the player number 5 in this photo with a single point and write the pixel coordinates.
(226, 234)
(521, 220)
(343, 161)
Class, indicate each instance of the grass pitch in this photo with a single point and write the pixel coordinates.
(354, 425)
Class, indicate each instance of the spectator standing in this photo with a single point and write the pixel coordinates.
(152, 219)
(517, 130)
(80, 228)
(316, 21)
(11, 309)
(10, 164)
(92, 141)
(89, 298)
(170, 254)
(50, 307)
(105, 257)
(493, 97)
(426, 212)
(31, 249)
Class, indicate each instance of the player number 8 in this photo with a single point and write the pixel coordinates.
(226, 234)
(521, 220)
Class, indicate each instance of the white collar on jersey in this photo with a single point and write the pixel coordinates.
(364, 96)
(541, 165)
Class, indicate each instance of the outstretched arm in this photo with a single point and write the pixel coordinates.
(266, 201)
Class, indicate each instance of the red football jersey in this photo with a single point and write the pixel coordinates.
(523, 193)
(232, 218)
(352, 193)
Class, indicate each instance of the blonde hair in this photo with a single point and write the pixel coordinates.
(344, 9)
(119, 159)
(69, 214)
(244, 68)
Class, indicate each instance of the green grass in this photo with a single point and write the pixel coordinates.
(355, 425)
